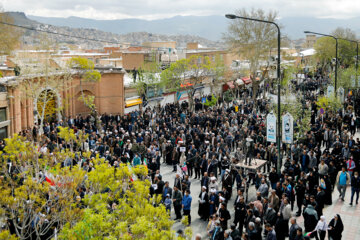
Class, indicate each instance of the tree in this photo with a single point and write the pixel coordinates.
(219, 73)
(186, 75)
(10, 35)
(329, 104)
(253, 40)
(35, 207)
(325, 48)
(148, 82)
(344, 77)
(39, 193)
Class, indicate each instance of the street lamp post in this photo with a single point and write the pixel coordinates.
(357, 54)
(278, 132)
(356, 62)
(336, 54)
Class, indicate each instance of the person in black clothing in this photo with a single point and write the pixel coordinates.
(224, 216)
(189, 164)
(320, 200)
(355, 187)
(336, 227)
(197, 163)
(240, 212)
(273, 177)
(300, 193)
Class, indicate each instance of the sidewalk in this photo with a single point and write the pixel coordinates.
(350, 215)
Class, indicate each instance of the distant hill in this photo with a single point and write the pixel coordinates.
(210, 27)
(86, 30)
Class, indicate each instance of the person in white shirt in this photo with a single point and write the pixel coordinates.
(321, 228)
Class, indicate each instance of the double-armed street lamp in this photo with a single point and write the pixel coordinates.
(278, 132)
(336, 54)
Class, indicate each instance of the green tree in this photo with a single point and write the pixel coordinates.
(148, 82)
(253, 40)
(218, 73)
(32, 206)
(186, 75)
(325, 48)
(118, 205)
(329, 104)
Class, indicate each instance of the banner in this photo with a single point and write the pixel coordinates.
(287, 128)
(330, 91)
(341, 94)
(353, 81)
(271, 128)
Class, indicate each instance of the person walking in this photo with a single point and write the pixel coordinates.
(336, 227)
(342, 180)
(321, 228)
(355, 187)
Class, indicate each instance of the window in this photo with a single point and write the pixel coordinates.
(3, 133)
(2, 88)
(3, 114)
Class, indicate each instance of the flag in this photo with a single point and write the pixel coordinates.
(51, 182)
(130, 169)
(308, 234)
(179, 170)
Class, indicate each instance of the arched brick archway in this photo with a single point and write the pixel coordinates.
(49, 101)
(80, 107)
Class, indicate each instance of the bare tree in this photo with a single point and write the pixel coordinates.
(253, 40)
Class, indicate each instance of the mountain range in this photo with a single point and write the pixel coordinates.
(84, 31)
(209, 27)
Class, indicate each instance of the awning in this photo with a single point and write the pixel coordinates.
(133, 102)
(246, 80)
(186, 85)
(230, 84)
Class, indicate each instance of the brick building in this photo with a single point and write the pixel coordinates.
(18, 113)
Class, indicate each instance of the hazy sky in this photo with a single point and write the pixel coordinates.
(155, 9)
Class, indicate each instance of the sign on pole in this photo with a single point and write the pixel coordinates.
(271, 128)
(353, 81)
(330, 90)
(203, 100)
(341, 92)
(287, 128)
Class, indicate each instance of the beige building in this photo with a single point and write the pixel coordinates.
(161, 44)
(310, 40)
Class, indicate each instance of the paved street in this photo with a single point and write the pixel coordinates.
(349, 214)
(197, 225)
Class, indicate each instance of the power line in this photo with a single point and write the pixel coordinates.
(62, 34)
(68, 35)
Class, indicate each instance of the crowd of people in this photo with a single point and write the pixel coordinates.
(207, 144)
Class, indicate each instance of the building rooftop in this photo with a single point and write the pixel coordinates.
(305, 53)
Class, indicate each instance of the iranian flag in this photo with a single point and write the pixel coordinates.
(132, 174)
(49, 178)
